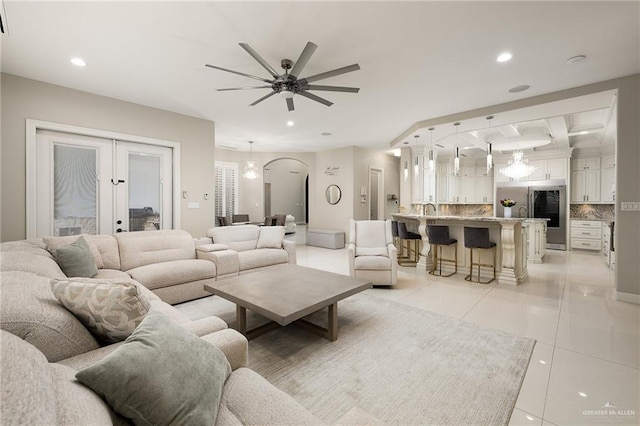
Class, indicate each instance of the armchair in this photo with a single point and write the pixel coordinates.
(372, 255)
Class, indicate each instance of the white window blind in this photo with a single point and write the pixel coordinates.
(226, 189)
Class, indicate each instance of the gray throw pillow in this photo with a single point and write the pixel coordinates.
(110, 309)
(161, 375)
(76, 259)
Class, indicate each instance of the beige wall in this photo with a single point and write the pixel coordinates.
(325, 215)
(363, 160)
(23, 98)
(627, 170)
(251, 199)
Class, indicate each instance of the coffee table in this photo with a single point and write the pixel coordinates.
(287, 293)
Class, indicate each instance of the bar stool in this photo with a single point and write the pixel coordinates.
(405, 235)
(478, 238)
(396, 238)
(438, 237)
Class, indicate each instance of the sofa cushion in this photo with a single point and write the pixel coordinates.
(111, 274)
(76, 259)
(29, 310)
(166, 274)
(261, 257)
(372, 262)
(238, 238)
(54, 243)
(110, 310)
(27, 385)
(372, 251)
(148, 247)
(162, 374)
(37, 392)
(270, 237)
(25, 262)
(268, 404)
(76, 404)
(108, 247)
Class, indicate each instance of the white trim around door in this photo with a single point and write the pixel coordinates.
(32, 126)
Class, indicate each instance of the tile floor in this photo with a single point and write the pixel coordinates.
(585, 365)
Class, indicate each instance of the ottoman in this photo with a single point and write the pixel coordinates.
(326, 238)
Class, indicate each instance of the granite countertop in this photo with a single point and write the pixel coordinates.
(468, 218)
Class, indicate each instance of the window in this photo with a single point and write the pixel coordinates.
(226, 189)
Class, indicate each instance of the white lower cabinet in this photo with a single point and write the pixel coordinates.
(586, 234)
(537, 241)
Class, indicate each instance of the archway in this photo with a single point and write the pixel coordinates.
(285, 188)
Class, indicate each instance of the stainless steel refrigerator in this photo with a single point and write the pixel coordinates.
(538, 199)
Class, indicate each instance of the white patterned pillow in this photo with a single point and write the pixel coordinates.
(111, 310)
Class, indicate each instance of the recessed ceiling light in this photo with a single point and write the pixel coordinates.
(504, 57)
(326, 133)
(520, 88)
(576, 59)
(290, 123)
(543, 362)
(78, 62)
(582, 394)
(529, 417)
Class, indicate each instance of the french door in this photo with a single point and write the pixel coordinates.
(97, 185)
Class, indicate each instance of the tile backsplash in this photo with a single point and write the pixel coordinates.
(593, 211)
(485, 210)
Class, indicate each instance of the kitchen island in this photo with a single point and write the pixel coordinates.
(509, 234)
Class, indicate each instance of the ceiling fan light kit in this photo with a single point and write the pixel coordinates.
(290, 83)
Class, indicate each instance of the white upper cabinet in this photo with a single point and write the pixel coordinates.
(554, 168)
(586, 164)
(429, 184)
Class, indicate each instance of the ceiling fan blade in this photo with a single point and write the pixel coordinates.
(302, 60)
(263, 98)
(245, 88)
(333, 73)
(239, 73)
(258, 58)
(331, 88)
(290, 104)
(315, 98)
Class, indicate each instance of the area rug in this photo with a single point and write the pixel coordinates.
(398, 364)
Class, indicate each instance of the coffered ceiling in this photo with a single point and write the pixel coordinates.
(586, 122)
(419, 60)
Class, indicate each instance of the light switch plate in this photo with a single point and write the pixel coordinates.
(630, 206)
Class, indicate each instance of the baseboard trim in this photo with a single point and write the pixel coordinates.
(627, 297)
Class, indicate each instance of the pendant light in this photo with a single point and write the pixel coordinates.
(250, 170)
(489, 151)
(456, 160)
(416, 164)
(431, 160)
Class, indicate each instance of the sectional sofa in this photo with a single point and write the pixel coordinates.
(43, 345)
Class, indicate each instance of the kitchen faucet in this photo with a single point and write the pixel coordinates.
(424, 208)
(525, 212)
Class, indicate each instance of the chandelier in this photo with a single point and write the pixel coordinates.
(250, 170)
(518, 167)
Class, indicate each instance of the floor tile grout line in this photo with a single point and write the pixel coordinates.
(555, 339)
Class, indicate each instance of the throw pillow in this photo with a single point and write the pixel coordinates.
(76, 259)
(111, 310)
(271, 237)
(163, 374)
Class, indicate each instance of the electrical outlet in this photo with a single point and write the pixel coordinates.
(184, 194)
(205, 196)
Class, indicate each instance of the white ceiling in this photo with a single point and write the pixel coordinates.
(419, 60)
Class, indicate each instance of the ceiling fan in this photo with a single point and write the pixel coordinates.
(290, 83)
